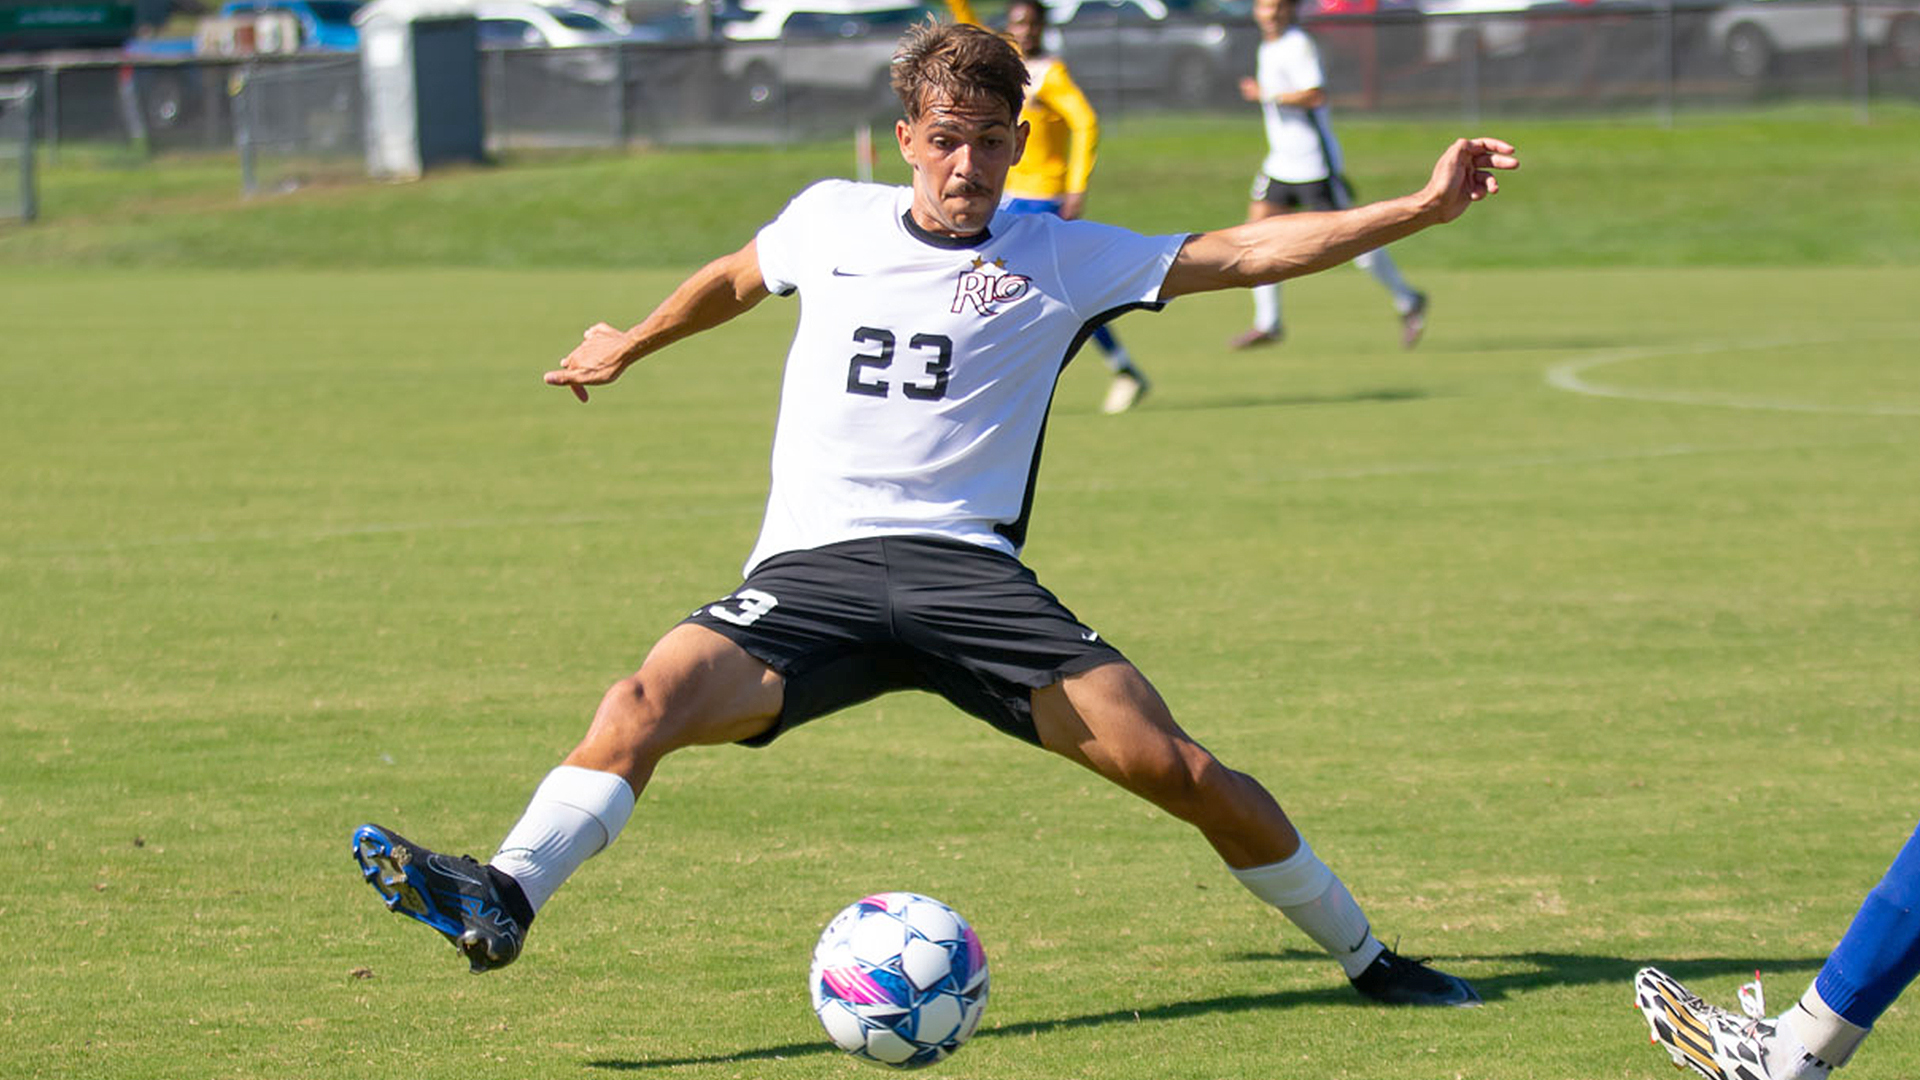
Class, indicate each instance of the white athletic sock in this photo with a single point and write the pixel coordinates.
(1266, 308)
(573, 814)
(1378, 263)
(1309, 894)
(1812, 1030)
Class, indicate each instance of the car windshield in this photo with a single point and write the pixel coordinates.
(580, 20)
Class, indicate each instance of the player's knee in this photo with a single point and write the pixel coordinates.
(1183, 780)
(628, 713)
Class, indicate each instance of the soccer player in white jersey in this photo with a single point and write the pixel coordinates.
(911, 414)
(1302, 169)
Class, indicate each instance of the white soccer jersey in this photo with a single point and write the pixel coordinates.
(917, 386)
(1300, 143)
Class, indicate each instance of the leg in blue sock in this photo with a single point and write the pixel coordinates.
(1880, 953)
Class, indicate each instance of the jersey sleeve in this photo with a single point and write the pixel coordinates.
(1103, 267)
(962, 12)
(1300, 63)
(1058, 91)
(782, 242)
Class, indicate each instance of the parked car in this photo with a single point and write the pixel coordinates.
(1184, 57)
(835, 47)
(1753, 36)
(1454, 29)
(525, 23)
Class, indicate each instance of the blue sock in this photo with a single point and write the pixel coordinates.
(1880, 953)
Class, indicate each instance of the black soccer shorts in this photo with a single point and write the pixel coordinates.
(850, 621)
(1329, 194)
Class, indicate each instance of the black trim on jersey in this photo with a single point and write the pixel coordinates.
(1016, 530)
(1323, 132)
(951, 243)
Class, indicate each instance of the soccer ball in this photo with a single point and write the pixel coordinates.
(899, 979)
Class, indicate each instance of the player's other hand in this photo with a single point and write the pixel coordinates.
(1464, 174)
(1250, 90)
(598, 360)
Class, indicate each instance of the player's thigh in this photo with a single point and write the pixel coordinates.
(1112, 720)
(696, 687)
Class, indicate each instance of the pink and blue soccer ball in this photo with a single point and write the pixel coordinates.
(899, 979)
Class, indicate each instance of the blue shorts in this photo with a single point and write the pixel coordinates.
(1033, 206)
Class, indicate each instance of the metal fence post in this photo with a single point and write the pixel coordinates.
(21, 96)
(1669, 64)
(243, 131)
(1858, 58)
(50, 109)
(1470, 72)
(622, 125)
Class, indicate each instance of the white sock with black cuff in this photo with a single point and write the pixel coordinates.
(1811, 1029)
(1307, 893)
(573, 814)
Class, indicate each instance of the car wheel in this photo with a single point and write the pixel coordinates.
(760, 87)
(1903, 42)
(1191, 81)
(1749, 51)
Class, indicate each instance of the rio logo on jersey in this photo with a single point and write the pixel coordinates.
(984, 286)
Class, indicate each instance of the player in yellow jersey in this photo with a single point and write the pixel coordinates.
(1051, 177)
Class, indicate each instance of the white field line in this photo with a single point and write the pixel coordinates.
(315, 535)
(1566, 375)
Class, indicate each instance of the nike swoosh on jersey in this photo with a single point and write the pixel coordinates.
(837, 272)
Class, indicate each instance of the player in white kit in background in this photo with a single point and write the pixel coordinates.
(1303, 166)
(913, 406)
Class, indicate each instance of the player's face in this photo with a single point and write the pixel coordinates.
(960, 152)
(1272, 16)
(1025, 24)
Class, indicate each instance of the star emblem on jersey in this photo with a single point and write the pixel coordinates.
(985, 286)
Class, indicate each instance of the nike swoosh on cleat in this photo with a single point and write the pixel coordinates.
(451, 869)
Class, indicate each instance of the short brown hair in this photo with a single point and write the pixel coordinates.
(958, 61)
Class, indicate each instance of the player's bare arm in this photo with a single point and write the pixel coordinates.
(1292, 245)
(1311, 98)
(724, 288)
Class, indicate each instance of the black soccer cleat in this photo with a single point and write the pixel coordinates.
(481, 910)
(1393, 979)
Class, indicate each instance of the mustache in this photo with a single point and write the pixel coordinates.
(968, 187)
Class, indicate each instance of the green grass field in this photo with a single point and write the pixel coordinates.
(1585, 636)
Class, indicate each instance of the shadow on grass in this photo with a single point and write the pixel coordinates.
(1542, 971)
(1289, 401)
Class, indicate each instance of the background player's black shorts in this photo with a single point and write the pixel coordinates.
(1329, 194)
(853, 620)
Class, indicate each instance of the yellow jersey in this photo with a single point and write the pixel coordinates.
(1063, 131)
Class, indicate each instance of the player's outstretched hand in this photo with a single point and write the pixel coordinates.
(1464, 174)
(598, 360)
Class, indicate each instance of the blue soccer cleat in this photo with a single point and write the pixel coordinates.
(479, 909)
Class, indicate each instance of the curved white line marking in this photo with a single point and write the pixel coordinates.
(1566, 375)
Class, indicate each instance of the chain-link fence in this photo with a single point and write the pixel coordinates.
(18, 196)
(1655, 58)
(298, 120)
